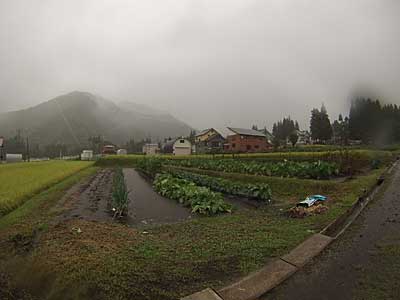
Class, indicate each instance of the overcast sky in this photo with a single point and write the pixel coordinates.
(210, 63)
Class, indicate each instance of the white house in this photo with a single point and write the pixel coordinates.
(151, 149)
(182, 147)
(87, 155)
(304, 137)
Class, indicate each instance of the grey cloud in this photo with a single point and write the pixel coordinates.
(210, 63)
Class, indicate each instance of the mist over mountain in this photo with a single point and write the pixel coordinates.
(72, 118)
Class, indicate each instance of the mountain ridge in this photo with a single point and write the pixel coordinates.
(74, 117)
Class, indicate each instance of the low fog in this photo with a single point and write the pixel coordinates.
(209, 63)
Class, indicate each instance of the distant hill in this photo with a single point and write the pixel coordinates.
(73, 118)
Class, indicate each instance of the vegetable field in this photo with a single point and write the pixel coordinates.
(21, 181)
(257, 191)
(170, 252)
(313, 170)
(200, 199)
(347, 161)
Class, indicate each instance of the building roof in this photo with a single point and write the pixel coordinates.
(186, 144)
(203, 132)
(207, 130)
(244, 131)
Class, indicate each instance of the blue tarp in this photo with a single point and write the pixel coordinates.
(311, 200)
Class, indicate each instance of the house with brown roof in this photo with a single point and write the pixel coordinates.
(209, 141)
(246, 140)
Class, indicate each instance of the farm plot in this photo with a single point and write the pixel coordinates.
(314, 170)
(148, 207)
(92, 200)
(260, 192)
(347, 160)
(89, 200)
(19, 182)
(108, 260)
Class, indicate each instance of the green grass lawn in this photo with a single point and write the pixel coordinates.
(20, 181)
(113, 261)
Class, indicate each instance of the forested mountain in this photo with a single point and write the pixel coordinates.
(73, 118)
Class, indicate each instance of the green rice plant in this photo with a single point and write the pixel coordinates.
(21, 181)
(120, 194)
(200, 199)
(256, 191)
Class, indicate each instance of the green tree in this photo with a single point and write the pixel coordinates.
(320, 125)
(293, 138)
(283, 129)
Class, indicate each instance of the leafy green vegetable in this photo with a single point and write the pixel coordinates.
(149, 166)
(314, 170)
(200, 199)
(258, 191)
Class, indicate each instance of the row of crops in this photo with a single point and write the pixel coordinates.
(308, 165)
(307, 170)
(200, 199)
(257, 191)
(357, 158)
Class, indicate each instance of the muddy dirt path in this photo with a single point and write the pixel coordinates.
(354, 266)
(148, 207)
(90, 199)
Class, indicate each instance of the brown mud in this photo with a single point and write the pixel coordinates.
(89, 200)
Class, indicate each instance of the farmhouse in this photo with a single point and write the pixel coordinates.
(246, 140)
(182, 146)
(209, 141)
(109, 149)
(151, 149)
(304, 137)
(87, 155)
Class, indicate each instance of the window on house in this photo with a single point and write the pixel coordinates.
(256, 146)
(182, 141)
(233, 145)
(248, 147)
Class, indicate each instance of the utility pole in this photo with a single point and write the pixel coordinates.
(28, 154)
(2, 152)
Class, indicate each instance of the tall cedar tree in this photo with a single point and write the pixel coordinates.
(341, 131)
(320, 125)
(283, 129)
(371, 122)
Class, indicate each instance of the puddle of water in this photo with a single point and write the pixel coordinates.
(148, 207)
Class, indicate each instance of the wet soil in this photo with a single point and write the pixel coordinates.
(148, 207)
(90, 199)
(243, 203)
(340, 272)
